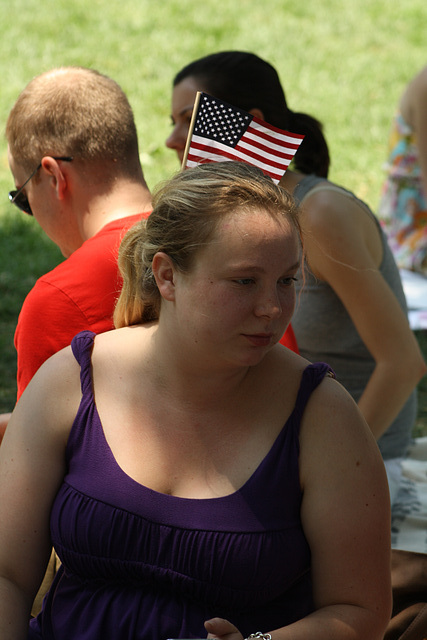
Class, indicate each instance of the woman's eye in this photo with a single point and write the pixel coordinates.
(244, 280)
(288, 281)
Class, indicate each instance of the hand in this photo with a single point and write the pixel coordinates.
(220, 628)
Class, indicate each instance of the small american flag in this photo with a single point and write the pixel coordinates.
(223, 132)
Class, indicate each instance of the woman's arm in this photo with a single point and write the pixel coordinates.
(32, 466)
(343, 248)
(346, 518)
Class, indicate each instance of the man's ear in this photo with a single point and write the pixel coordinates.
(257, 113)
(164, 273)
(59, 179)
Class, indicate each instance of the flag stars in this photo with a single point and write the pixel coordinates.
(220, 122)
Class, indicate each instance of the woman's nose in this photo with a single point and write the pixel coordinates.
(269, 305)
(176, 140)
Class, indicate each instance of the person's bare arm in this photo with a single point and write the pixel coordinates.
(346, 516)
(32, 466)
(339, 246)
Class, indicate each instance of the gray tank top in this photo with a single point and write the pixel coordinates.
(326, 333)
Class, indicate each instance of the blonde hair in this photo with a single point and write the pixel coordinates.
(78, 112)
(186, 210)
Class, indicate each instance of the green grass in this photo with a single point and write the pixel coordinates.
(345, 62)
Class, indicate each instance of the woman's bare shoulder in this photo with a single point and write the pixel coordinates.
(282, 369)
(56, 374)
(47, 408)
(334, 430)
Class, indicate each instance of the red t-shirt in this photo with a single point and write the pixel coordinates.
(80, 293)
(289, 339)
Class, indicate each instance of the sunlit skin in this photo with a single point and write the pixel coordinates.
(237, 301)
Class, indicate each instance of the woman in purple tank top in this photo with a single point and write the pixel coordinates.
(194, 476)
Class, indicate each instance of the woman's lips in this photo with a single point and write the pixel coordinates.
(259, 339)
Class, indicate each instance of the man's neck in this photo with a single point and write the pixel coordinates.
(121, 203)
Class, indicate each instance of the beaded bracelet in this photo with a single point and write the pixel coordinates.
(259, 636)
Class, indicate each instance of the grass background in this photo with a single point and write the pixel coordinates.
(345, 62)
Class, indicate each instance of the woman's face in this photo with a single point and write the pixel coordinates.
(183, 97)
(238, 298)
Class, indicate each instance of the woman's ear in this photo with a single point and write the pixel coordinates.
(257, 113)
(58, 178)
(164, 272)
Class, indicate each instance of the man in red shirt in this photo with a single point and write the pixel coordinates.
(73, 152)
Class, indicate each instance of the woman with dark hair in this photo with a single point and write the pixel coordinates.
(252, 84)
(351, 310)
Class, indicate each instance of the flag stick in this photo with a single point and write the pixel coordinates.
(190, 131)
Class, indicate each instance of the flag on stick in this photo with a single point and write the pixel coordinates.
(220, 132)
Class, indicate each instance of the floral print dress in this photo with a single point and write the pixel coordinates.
(403, 205)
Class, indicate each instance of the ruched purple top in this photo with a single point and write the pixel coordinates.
(138, 564)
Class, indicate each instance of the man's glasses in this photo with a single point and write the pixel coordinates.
(19, 198)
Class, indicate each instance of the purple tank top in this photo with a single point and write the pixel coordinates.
(138, 564)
